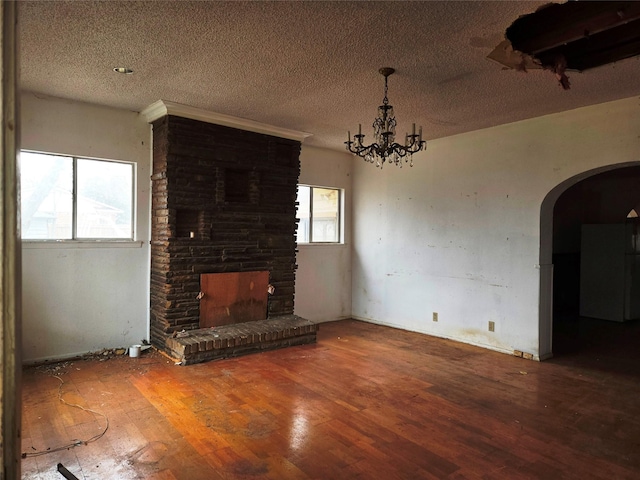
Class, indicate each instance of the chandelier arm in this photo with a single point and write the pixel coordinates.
(362, 150)
(385, 151)
(414, 146)
(401, 150)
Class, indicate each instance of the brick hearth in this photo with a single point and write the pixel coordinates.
(241, 338)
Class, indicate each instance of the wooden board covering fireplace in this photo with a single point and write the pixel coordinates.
(233, 297)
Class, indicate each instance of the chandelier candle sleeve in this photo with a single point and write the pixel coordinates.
(385, 148)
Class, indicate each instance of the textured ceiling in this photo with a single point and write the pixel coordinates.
(309, 66)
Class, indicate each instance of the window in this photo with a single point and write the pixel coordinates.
(319, 215)
(69, 198)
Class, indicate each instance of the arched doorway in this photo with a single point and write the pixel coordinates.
(602, 196)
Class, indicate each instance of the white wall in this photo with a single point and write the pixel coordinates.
(84, 297)
(459, 233)
(323, 278)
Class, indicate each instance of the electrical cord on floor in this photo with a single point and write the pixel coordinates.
(75, 443)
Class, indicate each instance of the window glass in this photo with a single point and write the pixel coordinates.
(325, 226)
(46, 196)
(104, 199)
(303, 213)
(101, 207)
(318, 215)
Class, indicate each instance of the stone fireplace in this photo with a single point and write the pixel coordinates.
(223, 202)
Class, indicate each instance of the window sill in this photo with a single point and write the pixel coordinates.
(81, 244)
(320, 244)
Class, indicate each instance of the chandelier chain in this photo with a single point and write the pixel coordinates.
(385, 100)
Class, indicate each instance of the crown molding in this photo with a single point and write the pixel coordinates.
(163, 108)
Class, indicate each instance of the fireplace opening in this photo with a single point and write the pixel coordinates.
(233, 297)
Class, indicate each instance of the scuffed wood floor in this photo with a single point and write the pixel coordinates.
(364, 402)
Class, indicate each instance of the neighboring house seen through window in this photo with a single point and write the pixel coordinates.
(318, 214)
(70, 198)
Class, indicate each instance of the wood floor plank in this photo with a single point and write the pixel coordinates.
(365, 402)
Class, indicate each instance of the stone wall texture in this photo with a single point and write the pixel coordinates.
(223, 200)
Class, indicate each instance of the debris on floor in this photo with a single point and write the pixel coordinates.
(66, 473)
(180, 334)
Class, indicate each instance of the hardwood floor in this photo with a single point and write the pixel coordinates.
(364, 402)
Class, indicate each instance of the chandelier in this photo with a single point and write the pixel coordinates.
(385, 148)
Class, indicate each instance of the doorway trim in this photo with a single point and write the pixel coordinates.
(10, 252)
(545, 301)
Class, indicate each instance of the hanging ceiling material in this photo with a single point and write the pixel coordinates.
(576, 35)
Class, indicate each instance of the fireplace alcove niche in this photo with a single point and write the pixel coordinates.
(223, 202)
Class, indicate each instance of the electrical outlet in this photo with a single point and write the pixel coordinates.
(492, 326)
(435, 316)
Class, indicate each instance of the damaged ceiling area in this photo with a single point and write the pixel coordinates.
(577, 35)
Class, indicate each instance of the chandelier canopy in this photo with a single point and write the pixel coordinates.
(385, 148)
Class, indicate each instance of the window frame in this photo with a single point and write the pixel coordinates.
(339, 222)
(75, 239)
